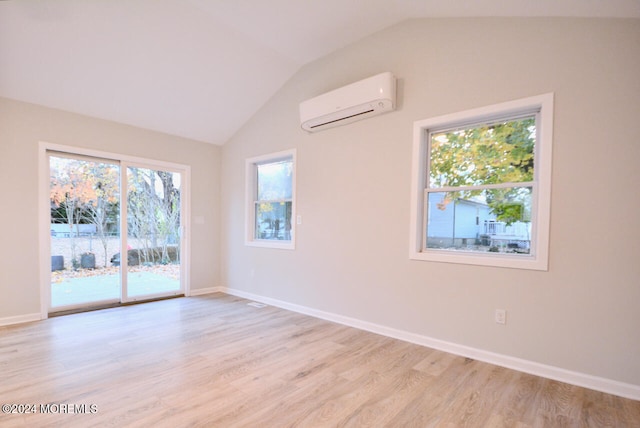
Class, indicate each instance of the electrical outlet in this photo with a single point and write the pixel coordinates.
(501, 316)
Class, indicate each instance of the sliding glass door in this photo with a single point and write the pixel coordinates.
(115, 231)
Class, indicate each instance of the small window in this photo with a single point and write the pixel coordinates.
(481, 183)
(270, 200)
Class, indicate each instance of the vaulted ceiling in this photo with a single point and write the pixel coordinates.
(201, 68)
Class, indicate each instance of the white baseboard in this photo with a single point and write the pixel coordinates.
(20, 319)
(550, 372)
(201, 291)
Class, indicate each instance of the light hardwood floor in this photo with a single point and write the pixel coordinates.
(215, 361)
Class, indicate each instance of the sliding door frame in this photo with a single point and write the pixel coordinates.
(125, 161)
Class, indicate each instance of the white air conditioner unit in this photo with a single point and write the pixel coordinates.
(359, 100)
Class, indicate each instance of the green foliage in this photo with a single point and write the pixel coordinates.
(481, 155)
(487, 154)
(510, 205)
(508, 212)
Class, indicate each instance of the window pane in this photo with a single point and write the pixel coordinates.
(273, 220)
(491, 220)
(493, 153)
(153, 224)
(84, 198)
(274, 181)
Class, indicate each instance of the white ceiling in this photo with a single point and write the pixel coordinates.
(201, 68)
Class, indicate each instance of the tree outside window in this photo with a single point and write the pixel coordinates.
(481, 185)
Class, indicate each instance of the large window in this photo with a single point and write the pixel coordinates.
(481, 185)
(270, 200)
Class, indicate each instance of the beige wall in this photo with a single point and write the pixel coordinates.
(353, 192)
(23, 126)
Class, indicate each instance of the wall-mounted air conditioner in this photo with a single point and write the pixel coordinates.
(359, 100)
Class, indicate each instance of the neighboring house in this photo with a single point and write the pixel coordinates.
(464, 222)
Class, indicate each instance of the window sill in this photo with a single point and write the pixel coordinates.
(281, 245)
(515, 261)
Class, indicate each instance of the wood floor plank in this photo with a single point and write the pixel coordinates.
(214, 361)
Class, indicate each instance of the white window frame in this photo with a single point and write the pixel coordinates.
(251, 189)
(538, 259)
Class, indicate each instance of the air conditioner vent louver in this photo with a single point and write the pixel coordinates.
(341, 119)
(359, 100)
